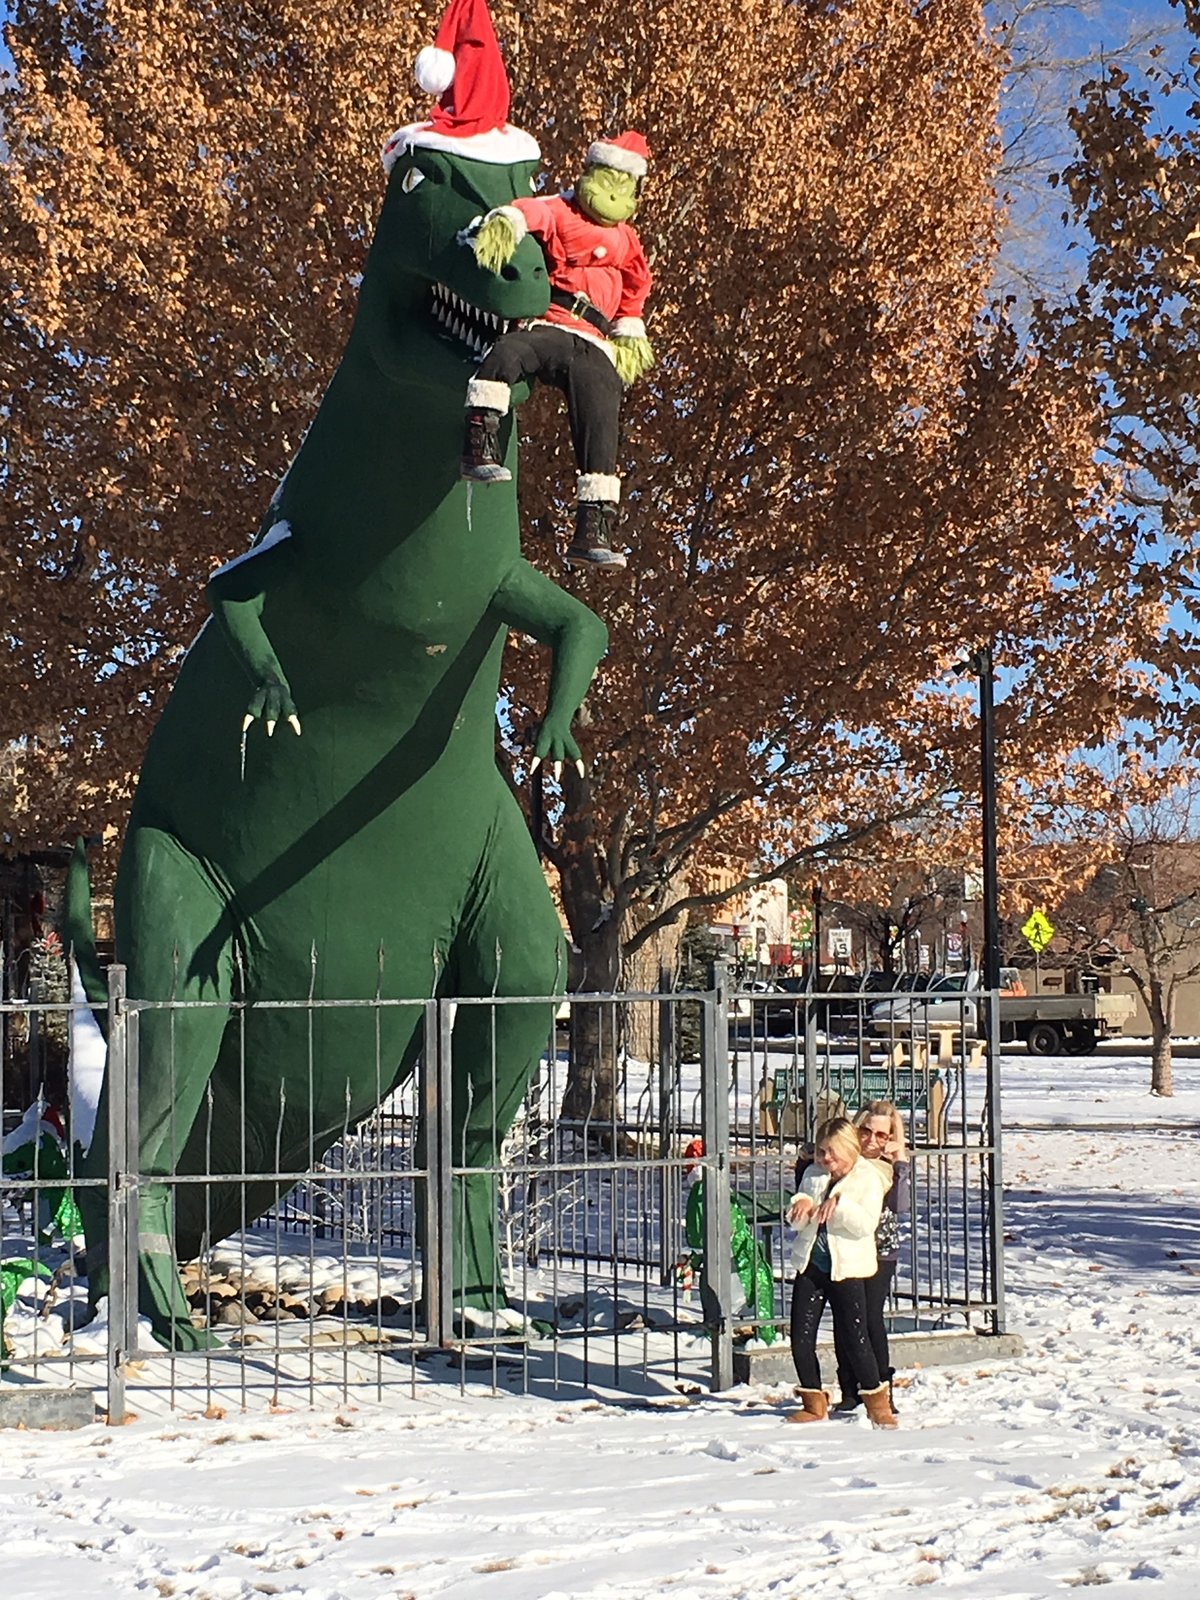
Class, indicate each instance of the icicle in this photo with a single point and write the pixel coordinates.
(470, 488)
(243, 771)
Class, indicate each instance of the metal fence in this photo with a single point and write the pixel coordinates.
(645, 1172)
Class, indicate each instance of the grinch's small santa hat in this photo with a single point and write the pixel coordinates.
(628, 152)
(465, 69)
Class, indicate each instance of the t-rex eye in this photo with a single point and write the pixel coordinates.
(411, 179)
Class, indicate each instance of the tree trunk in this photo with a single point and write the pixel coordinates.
(590, 1094)
(1162, 1018)
(644, 970)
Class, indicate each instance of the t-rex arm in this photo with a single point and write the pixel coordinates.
(577, 638)
(235, 595)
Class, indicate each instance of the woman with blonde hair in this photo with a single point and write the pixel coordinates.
(836, 1211)
(881, 1136)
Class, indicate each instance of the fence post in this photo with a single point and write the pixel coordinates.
(995, 1198)
(670, 1227)
(37, 1078)
(121, 1195)
(431, 1118)
(810, 1053)
(442, 1248)
(716, 1285)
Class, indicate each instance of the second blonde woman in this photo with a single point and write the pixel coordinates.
(836, 1211)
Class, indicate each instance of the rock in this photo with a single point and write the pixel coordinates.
(233, 1314)
(218, 1291)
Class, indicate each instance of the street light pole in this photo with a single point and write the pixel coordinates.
(990, 986)
(817, 897)
(987, 781)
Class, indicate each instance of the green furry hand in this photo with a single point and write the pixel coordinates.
(495, 243)
(554, 745)
(273, 703)
(633, 358)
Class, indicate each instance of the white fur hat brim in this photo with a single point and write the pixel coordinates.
(501, 147)
(602, 154)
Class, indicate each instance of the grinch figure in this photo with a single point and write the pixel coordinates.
(590, 344)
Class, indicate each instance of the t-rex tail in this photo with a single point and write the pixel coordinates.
(89, 989)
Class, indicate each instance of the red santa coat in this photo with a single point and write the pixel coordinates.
(607, 264)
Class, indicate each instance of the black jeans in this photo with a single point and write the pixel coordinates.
(581, 370)
(876, 1291)
(810, 1291)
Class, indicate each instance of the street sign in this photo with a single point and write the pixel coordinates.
(840, 940)
(1038, 930)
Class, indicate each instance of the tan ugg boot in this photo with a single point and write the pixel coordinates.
(879, 1407)
(816, 1407)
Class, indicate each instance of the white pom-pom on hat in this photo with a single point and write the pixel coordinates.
(433, 69)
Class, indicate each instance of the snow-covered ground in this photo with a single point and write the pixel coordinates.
(1076, 1466)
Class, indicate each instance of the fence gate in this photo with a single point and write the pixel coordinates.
(631, 1187)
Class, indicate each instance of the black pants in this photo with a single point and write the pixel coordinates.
(810, 1291)
(876, 1291)
(583, 373)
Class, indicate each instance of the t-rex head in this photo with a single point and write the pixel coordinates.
(431, 310)
(421, 275)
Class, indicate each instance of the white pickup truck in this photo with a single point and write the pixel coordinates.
(1050, 1024)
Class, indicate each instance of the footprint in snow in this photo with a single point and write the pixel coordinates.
(721, 1450)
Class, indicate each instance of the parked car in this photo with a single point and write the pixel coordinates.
(782, 1010)
(1048, 1024)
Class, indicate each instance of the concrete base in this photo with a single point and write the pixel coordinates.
(35, 1405)
(952, 1349)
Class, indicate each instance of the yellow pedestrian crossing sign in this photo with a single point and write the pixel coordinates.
(1038, 930)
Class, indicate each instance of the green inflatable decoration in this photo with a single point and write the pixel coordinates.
(56, 1206)
(751, 1266)
(749, 1262)
(355, 837)
(13, 1273)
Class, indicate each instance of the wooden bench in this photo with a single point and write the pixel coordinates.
(949, 1042)
(912, 1087)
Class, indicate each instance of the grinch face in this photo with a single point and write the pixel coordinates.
(606, 195)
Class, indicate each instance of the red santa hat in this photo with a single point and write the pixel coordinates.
(628, 152)
(465, 69)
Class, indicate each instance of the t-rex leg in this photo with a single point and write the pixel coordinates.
(510, 943)
(169, 911)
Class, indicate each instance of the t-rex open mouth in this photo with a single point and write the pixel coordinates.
(475, 329)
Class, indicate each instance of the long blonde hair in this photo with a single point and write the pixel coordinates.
(841, 1133)
(885, 1108)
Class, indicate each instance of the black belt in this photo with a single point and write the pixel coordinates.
(580, 306)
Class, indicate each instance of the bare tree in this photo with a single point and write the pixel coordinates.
(1143, 900)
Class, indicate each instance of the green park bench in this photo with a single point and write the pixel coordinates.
(843, 1091)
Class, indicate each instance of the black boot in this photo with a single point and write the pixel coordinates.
(481, 459)
(891, 1380)
(594, 523)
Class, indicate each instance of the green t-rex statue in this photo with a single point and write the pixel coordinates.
(381, 852)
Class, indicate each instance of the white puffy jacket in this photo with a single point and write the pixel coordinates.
(851, 1229)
